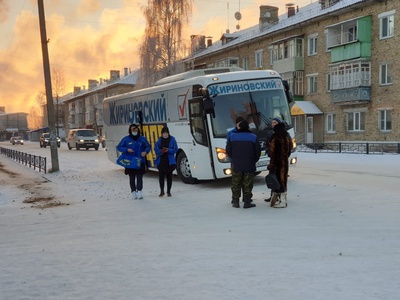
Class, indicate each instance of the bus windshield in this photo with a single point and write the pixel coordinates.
(257, 107)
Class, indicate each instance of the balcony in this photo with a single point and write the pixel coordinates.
(354, 95)
(289, 64)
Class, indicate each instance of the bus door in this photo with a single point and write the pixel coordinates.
(199, 157)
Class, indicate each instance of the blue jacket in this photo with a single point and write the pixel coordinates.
(244, 150)
(172, 149)
(138, 146)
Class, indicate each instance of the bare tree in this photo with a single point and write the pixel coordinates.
(162, 44)
(58, 84)
(35, 116)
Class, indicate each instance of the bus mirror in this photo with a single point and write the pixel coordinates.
(203, 92)
(208, 105)
(288, 93)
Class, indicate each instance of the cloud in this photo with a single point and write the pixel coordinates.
(84, 48)
(4, 9)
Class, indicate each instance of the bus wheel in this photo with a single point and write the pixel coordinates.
(183, 169)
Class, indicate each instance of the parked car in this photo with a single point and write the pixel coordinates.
(16, 140)
(82, 138)
(45, 140)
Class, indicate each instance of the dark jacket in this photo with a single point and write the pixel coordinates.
(244, 150)
(280, 149)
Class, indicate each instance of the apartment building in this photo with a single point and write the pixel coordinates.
(84, 108)
(340, 58)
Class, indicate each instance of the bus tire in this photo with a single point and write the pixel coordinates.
(183, 169)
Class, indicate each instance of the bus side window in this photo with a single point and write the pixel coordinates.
(197, 127)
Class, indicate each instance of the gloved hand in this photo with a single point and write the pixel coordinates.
(164, 150)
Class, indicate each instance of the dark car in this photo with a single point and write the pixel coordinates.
(45, 140)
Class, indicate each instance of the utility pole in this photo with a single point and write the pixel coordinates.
(49, 92)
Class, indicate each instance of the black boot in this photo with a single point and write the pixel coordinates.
(161, 193)
(235, 203)
(249, 205)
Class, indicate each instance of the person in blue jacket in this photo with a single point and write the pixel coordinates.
(244, 149)
(165, 149)
(135, 145)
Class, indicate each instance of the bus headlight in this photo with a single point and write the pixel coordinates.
(227, 171)
(294, 143)
(222, 156)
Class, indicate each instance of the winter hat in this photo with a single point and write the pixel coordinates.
(239, 119)
(277, 120)
(165, 129)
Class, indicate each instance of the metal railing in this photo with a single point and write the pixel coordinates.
(351, 147)
(32, 161)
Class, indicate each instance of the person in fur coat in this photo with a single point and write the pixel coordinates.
(279, 152)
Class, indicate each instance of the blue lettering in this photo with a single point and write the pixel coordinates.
(154, 110)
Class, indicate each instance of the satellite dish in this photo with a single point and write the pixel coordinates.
(267, 14)
(237, 26)
(238, 15)
(227, 31)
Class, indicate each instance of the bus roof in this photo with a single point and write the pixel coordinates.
(199, 79)
(195, 73)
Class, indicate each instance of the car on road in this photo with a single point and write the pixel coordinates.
(83, 138)
(45, 140)
(17, 140)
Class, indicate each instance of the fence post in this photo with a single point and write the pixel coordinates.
(340, 147)
(367, 148)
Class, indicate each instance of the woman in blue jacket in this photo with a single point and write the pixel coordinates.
(165, 149)
(135, 145)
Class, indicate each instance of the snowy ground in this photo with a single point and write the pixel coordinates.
(82, 237)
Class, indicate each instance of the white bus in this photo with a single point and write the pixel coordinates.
(200, 107)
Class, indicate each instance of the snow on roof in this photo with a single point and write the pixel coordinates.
(305, 13)
(129, 79)
(305, 108)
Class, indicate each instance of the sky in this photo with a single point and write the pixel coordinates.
(337, 239)
(88, 38)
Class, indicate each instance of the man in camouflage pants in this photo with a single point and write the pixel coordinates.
(244, 150)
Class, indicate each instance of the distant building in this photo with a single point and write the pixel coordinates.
(13, 124)
(84, 107)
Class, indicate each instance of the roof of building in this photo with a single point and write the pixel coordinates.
(305, 13)
(305, 108)
(129, 79)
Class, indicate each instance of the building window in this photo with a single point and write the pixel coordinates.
(245, 63)
(258, 58)
(328, 82)
(330, 123)
(287, 49)
(355, 121)
(312, 83)
(385, 74)
(228, 62)
(352, 34)
(385, 120)
(386, 22)
(312, 46)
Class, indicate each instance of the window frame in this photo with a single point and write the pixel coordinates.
(312, 42)
(383, 122)
(385, 19)
(386, 69)
(331, 123)
(358, 120)
(258, 59)
(312, 84)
